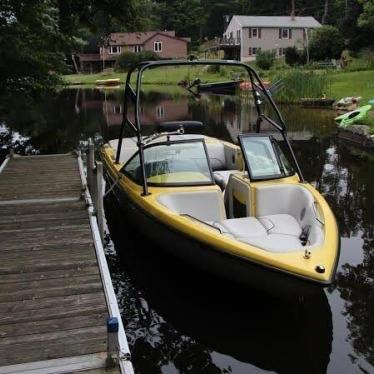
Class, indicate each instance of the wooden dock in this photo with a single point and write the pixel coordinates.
(55, 288)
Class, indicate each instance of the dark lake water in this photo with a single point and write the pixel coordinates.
(181, 320)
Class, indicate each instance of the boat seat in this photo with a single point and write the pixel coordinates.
(245, 226)
(281, 224)
(277, 233)
(216, 153)
(282, 205)
(222, 162)
(274, 242)
(221, 177)
(237, 227)
(203, 205)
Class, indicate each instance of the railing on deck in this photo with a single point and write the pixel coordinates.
(218, 43)
(229, 41)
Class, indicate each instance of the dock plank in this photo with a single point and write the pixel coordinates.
(51, 274)
(52, 303)
(60, 324)
(22, 349)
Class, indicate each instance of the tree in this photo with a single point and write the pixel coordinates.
(37, 35)
(326, 43)
(31, 45)
(356, 37)
(186, 17)
(366, 18)
(325, 12)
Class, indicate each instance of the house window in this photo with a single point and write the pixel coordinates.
(285, 34)
(281, 52)
(157, 46)
(114, 49)
(254, 32)
(253, 51)
(160, 112)
(138, 48)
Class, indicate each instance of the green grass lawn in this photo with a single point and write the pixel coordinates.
(358, 83)
(160, 76)
(90, 79)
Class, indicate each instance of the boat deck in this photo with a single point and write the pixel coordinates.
(53, 301)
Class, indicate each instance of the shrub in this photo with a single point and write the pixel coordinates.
(127, 59)
(265, 60)
(213, 69)
(326, 43)
(363, 60)
(147, 56)
(295, 57)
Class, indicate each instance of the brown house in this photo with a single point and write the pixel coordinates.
(151, 114)
(164, 43)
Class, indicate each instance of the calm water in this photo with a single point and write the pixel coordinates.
(180, 320)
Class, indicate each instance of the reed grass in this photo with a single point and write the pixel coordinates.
(300, 84)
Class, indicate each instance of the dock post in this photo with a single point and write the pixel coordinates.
(91, 166)
(11, 152)
(99, 198)
(112, 345)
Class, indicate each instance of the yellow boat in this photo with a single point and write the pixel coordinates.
(241, 211)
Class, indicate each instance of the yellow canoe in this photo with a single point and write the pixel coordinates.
(108, 82)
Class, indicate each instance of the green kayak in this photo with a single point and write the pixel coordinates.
(350, 118)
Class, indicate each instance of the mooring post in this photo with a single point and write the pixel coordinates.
(91, 167)
(99, 198)
(112, 347)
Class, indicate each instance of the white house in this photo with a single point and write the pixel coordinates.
(245, 36)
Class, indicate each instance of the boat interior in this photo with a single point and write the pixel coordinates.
(277, 217)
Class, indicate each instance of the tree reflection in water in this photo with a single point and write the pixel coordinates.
(354, 197)
(12, 139)
(53, 123)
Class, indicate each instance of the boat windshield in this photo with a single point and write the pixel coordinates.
(177, 163)
(264, 158)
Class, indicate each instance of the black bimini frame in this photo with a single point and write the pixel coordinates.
(134, 96)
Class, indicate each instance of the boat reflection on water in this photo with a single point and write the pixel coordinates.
(197, 315)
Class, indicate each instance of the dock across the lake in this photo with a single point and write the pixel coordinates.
(58, 310)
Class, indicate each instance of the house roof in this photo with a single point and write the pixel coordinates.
(277, 21)
(133, 38)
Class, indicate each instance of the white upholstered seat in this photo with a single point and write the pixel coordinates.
(278, 233)
(281, 224)
(245, 226)
(223, 175)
